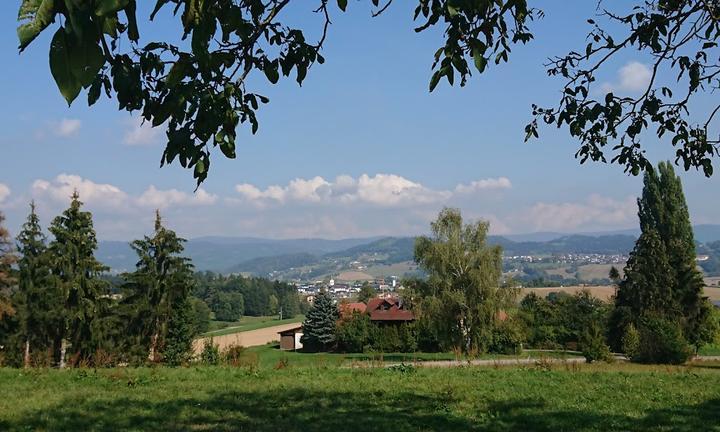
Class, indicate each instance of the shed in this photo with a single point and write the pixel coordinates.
(290, 339)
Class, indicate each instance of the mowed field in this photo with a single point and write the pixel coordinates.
(602, 292)
(533, 398)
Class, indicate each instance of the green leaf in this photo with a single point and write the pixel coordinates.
(107, 7)
(434, 80)
(61, 67)
(271, 72)
(133, 32)
(342, 4)
(86, 58)
(34, 16)
(480, 62)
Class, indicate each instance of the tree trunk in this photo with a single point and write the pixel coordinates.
(153, 341)
(63, 348)
(26, 357)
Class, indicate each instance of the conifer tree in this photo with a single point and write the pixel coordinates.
(661, 277)
(40, 301)
(320, 323)
(76, 273)
(156, 295)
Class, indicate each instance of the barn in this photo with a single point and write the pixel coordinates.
(290, 339)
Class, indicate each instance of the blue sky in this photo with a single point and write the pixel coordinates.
(360, 149)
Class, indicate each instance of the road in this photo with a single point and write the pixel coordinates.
(247, 338)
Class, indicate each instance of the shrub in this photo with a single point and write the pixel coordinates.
(355, 333)
(631, 341)
(238, 356)
(508, 337)
(662, 341)
(592, 344)
(210, 354)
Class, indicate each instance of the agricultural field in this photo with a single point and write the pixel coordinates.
(247, 323)
(538, 398)
(602, 292)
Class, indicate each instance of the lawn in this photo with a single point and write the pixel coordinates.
(564, 398)
(247, 323)
(269, 357)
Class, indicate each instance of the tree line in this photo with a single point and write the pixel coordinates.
(58, 305)
(658, 315)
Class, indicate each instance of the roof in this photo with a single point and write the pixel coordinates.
(290, 331)
(349, 308)
(388, 309)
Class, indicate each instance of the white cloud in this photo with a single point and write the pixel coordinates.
(139, 133)
(4, 192)
(595, 213)
(485, 184)
(67, 127)
(62, 187)
(161, 199)
(385, 190)
(632, 77)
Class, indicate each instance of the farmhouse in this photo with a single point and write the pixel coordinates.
(388, 311)
(290, 339)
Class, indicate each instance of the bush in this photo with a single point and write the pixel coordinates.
(631, 341)
(210, 354)
(662, 341)
(355, 333)
(238, 356)
(592, 344)
(508, 337)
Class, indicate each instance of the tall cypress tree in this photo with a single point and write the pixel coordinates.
(156, 295)
(661, 276)
(39, 299)
(76, 273)
(319, 325)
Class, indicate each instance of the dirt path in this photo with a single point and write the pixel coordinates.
(247, 338)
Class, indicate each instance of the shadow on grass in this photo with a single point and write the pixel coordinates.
(297, 409)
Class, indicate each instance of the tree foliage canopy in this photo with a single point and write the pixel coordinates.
(201, 90)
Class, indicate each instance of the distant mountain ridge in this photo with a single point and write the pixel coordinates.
(225, 254)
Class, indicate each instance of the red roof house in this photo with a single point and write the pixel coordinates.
(388, 310)
(347, 309)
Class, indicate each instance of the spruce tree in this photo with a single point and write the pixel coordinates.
(156, 295)
(320, 323)
(76, 273)
(39, 300)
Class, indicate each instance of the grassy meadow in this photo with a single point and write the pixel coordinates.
(540, 398)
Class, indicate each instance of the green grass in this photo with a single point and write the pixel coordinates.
(251, 323)
(270, 356)
(565, 398)
(710, 350)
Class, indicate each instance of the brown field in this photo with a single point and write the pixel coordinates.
(247, 339)
(351, 276)
(602, 292)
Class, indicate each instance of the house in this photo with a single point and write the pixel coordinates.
(389, 310)
(290, 339)
(347, 309)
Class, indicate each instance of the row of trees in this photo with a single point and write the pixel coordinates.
(57, 307)
(659, 314)
(233, 296)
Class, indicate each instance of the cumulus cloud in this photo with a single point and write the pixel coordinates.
(595, 213)
(161, 199)
(632, 77)
(67, 127)
(485, 184)
(62, 187)
(380, 190)
(139, 133)
(4, 192)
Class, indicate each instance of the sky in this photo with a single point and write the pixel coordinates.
(361, 149)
